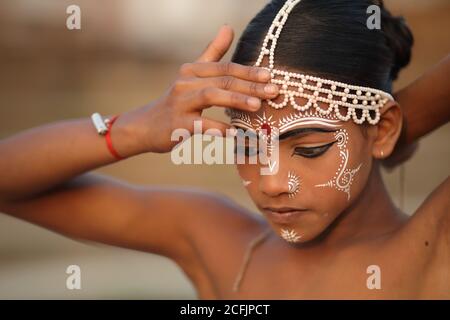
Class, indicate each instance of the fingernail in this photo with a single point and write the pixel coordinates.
(254, 103)
(271, 89)
(264, 75)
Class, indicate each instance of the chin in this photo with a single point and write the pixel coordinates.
(300, 233)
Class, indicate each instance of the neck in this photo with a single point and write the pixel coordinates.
(363, 219)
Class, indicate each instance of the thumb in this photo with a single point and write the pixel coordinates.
(219, 46)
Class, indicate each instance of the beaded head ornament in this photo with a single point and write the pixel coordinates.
(333, 94)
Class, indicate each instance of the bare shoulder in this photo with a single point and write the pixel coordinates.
(218, 230)
(433, 216)
(427, 239)
(220, 221)
(212, 214)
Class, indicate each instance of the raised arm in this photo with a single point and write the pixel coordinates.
(45, 171)
(426, 107)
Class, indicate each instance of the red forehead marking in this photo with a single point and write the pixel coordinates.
(266, 126)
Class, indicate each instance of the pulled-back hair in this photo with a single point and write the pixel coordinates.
(330, 38)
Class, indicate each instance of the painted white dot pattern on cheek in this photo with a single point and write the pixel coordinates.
(343, 178)
(293, 184)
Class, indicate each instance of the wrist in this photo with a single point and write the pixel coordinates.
(128, 134)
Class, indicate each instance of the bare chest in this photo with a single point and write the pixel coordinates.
(363, 272)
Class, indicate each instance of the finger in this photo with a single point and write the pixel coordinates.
(219, 46)
(211, 127)
(216, 128)
(260, 90)
(212, 96)
(214, 69)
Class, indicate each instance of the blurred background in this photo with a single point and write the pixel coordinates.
(125, 55)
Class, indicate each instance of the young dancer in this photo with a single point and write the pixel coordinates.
(308, 74)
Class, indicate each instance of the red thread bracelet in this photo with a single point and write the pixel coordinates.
(109, 141)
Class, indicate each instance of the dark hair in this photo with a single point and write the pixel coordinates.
(330, 38)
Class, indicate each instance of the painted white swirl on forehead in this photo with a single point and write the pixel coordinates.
(285, 123)
(288, 124)
(240, 119)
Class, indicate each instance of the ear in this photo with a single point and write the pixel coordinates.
(388, 130)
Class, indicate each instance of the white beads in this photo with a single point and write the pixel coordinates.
(333, 93)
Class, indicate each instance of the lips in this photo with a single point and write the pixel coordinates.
(283, 215)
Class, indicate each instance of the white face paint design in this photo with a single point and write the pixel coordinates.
(267, 130)
(343, 178)
(290, 235)
(241, 119)
(246, 183)
(263, 125)
(293, 184)
(301, 119)
(285, 123)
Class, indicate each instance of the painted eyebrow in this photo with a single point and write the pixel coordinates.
(303, 132)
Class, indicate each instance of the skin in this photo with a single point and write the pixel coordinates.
(335, 250)
(270, 192)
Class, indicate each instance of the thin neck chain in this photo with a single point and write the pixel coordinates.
(248, 253)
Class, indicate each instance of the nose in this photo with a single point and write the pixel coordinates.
(274, 185)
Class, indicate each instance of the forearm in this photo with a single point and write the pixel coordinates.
(40, 158)
(425, 103)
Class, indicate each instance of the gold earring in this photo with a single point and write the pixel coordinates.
(382, 154)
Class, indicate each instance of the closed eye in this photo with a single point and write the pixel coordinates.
(312, 152)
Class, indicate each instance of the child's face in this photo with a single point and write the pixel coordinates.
(324, 164)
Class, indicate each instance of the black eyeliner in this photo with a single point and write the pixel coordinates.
(325, 147)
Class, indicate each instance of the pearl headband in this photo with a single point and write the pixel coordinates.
(333, 93)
